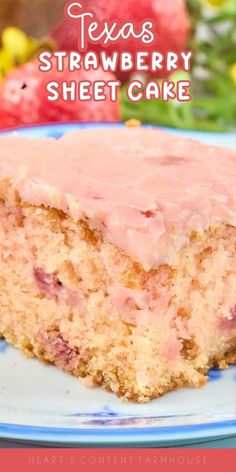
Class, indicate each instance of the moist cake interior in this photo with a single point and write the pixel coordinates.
(70, 298)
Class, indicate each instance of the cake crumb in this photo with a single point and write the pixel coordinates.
(133, 123)
(87, 381)
(223, 364)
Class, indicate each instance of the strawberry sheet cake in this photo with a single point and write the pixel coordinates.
(117, 256)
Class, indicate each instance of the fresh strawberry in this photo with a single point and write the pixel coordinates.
(171, 19)
(23, 98)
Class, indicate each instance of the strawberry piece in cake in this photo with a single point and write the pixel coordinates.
(118, 256)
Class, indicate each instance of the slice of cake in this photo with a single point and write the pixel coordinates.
(117, 256)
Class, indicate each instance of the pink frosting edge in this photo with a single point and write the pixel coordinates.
(150, 227)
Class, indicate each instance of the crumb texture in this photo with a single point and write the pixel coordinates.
(72, 299)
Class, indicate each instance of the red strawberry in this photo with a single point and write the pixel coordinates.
(23, 98)
(170, 17)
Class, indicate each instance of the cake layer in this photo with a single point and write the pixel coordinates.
(144, 190)
(70, 297)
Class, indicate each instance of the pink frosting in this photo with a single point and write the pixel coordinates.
(143, 188)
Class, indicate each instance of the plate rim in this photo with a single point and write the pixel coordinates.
(82, 124)
(167, 434)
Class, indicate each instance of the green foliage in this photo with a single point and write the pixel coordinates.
(213, 107)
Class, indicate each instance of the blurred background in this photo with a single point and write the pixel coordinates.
(35, 17)
(205, 26)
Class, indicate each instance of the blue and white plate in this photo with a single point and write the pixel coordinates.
(41, 404)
